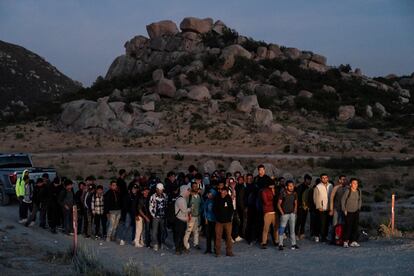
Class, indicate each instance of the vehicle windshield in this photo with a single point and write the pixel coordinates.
(15, 162)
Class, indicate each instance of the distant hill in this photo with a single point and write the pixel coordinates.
(28, 82)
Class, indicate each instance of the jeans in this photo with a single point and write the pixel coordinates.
(127, 228)
(114, 217)
(314, 222)
(68, 220)
(251, 227)
(192, 227)
(158, 229)
(323, 224)
(210, 234)
(25, 208)
(351, 227)
(269, 219)
(301, 221)
(100, 220)
(291, 218)
(41, 208)
(226, 227)
(179, 232)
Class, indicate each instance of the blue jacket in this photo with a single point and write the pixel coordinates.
(208, 210)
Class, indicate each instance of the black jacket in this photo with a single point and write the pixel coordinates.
(112, 201)
(223, 209)
(130, 204)
(262, 182)
(40, 195)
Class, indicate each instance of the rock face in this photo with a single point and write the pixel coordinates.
(29, 80)
(346, 112)
(305, 94)
(199, 93)
(197, 25)
(209, 166)
(161, 28)
(247, 104)
(104, 117)
(231, 52)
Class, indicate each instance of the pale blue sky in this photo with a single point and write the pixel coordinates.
(81, 38)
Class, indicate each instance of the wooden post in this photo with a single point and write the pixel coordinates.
(75, 229)
(392, 213)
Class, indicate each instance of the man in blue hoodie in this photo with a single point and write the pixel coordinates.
(210, 219)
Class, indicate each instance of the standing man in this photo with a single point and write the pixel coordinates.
(195, 202)
(182, 213)
(302, 191)
(158, 210)
(223, 210)
(335, 206)
(67, 200)
(288, 206)
(351, 205)
(39, 204)
(269, 214)
(112, 206)
(20, 195)
(321, 197)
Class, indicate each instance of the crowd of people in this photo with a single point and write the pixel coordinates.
(218, 206)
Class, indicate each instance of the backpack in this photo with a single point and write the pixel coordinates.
(170, 212)
(339, 232)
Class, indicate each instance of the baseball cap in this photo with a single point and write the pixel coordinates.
(160, 186)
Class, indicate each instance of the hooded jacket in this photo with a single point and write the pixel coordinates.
(181, 208)
(20, 184)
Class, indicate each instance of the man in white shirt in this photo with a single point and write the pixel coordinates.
(321, 198)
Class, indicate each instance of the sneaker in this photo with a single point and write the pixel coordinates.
(233, 241)
(280, 247)
(238, 239)
(71, 234)
(122, 242)
(294, 247)
(32, 224)
(23, 221)
(156, 247)
(197, 247)
(302, 237)
(230, 255)
(354, 244)
(316, 239)
(263, 246)
(178, 253)
(346, 245)
(138, 245)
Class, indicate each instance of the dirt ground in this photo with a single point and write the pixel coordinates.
(29, 250)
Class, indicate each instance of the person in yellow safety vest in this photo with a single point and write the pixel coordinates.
(20, 183)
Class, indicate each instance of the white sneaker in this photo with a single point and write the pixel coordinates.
(238, 239)
(354, 244)
(32, 224)
(23, 221)
(316, 239)
(139, 245)
(346, 245)
(122, 242)
(156, 247)
(232, 241)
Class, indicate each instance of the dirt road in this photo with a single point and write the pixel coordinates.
(376, 257)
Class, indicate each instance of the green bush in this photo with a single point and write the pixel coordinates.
(251, 45)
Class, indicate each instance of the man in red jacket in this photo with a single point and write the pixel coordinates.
(269, 213)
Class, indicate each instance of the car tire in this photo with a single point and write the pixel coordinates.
(4, 197)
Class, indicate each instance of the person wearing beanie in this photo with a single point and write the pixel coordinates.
(157, 207)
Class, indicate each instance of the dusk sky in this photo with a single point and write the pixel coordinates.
(81, 38)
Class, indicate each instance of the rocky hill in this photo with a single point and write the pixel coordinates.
(205, 77)
(28, 82)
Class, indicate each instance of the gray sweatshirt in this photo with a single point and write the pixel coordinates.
(351, 202)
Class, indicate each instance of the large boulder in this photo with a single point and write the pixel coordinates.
(318, 59)
(135, 45)
(152, 97)
(209, 166)
(157, 75)
(266, 90)
(346, 112)
(231, 52)
(247, 104)
(292, 53)
(263, 117)
(165, 87)
(286, 77)
(199, 93)
(219, 27)
(368, 111)
(305, 94)
(122, 66)
(161, 28)
(235, 166)
(380, 109)
(193, 24)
